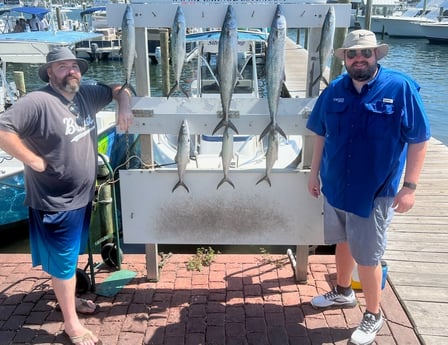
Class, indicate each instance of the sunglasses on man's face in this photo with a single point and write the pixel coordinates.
(80, 121)
(352, 53)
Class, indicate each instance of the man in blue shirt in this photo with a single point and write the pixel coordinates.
(369, 123)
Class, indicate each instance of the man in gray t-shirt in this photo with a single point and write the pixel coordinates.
(53, 132)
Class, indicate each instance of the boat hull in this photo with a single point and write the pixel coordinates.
(436, 32)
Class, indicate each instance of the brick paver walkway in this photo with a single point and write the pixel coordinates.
(239, 299)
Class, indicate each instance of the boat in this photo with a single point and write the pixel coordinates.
(249, 151)
(406, 22)
(23, 14)
(435, 32)
(31, 48)
(104, 47)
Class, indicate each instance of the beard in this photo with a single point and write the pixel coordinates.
(361, 71)
(70, 84)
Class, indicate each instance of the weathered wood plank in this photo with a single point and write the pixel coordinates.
(414, 257)
(425, 294)
(408, 280)
(418, 246)
(429, 317)
(417, 236)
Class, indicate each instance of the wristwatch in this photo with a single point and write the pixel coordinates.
(410, 185)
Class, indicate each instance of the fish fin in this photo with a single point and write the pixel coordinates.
(282, 133)
(221, 123)
(265, 178)
(178, 184)
(173, 89)
(184, 92)
(232, 126)
(225, 179)
(129, 86)
(266, 130)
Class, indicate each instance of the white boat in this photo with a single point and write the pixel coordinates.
(407, 23)
(31, 48)
(435, 32)
(104, 47)
(249, 151)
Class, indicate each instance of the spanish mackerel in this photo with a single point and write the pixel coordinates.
(325, 46)
(227, 64)
(182, 157)
(178, 48)
(271, 155)
(275, 68)
(128, 45)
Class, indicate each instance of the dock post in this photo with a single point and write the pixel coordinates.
(152, 262)
(19, 80)
(165, 53)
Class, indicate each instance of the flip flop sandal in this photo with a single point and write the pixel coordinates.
(82, 338)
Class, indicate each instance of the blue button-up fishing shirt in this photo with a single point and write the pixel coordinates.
(366, 136)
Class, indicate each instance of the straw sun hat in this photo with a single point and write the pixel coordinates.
(61, 54)
(362, 39)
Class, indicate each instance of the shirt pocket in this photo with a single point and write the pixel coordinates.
(382, 119)
(335, 119)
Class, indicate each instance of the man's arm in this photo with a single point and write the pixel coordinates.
(123, 98)
(314, 181)
(12, 144)
(405, 198)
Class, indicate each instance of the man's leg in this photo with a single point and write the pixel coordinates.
(370, 277)
(65, 294)
(344, 265)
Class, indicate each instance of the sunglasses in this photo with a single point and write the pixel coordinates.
(80, 121)
(352, 53)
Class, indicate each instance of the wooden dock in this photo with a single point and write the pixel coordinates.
(417, 252)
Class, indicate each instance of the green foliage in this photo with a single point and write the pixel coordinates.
(203, 257)
(268, 259)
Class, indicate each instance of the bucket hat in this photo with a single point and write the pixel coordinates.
(61, 54)
(362, 39)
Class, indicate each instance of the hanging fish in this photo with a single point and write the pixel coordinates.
(178, 48)
(227, 64)
(275, 68)
(128, 45)
(182, 157)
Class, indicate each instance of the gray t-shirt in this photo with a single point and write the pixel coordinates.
(43, 120)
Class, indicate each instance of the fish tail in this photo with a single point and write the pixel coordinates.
(265, 178)
(266, 130)
(184, 92)
(129, 86)
(222, 123)
(282, 133)
(232, 126)
(225, 179)
(178, 184)
(173, 89)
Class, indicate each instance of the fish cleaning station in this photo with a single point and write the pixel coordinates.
(281, 212)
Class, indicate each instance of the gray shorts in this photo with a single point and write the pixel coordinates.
(365, 236)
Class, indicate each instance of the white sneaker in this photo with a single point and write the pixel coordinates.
(366, 332)
(334, 299)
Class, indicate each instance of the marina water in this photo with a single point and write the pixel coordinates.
(426, 63)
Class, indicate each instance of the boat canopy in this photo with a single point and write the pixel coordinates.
(92, 10)
(38, 11)
(32, 47)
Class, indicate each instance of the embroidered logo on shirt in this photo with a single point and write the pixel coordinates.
(338, 100)
(388, 100)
